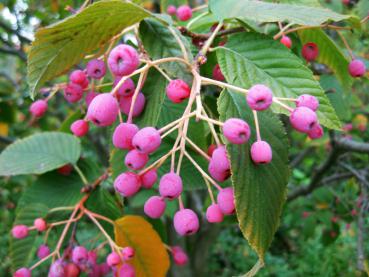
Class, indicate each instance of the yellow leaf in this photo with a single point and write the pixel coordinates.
(322, 206)
(151, 257)
(4, 129)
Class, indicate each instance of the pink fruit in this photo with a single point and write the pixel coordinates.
(38, 108)
(310, 51)
(127, 88)
(20, 231)
(357, 68)
(92, 257)
(184, 13)
(79, 128)
(225, 201)
(22, 272)
(65, 169)
(219, 165)
(78, 77)
(40, 224)
(214, 214)
(170, 186)
(71, 270)
(179, 255)
(89, 97)
(57, 269)
(128, 253)
(113, 259)
(303, 119)
(186, 222)
(43, 251)
(316, 132)
(217, 73)
(96, 69)
(123, 135)
(103, 110)
(155, 207)
(104, 269)
(307, 100)
(211, 149)
(127, 270)
(136, 160)
(127, 184)
(149, 178)
(178, 90)
(73, 93)
(147, 140)
(79, 255)
(123, 60)
(261, 152)
(259, 97)
(171, 10)
(286, 41)
(236, 131)
(126, 102)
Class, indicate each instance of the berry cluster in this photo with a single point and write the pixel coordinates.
(183, 12)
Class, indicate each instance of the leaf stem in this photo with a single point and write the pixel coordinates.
(257, 127)
(207, 81)
(275, 100)
(80, 173)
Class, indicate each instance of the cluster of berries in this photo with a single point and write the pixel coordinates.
(183, 12)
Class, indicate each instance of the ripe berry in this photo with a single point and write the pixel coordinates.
(38, 108)
(65, 169)
(22, 272)
(259, 97)
(20, 231)
(179, 255)
(71, 270)
(225, 201)
(261, 152)
(73, 93)
(178, 90)
(126, 102)
(89, 97)
(211, 149)
(147, 140)
(149, 178)
(127, 88)
(127, 184)
(43, 251)
(123, 135)
(96, 69)
(128, 253)
(113, 259)
(236, 131)
(307, 100)
(136, 160)
(214, 214)
(310, 51)
(40, 224)
(171, 10)
(79, 255)
(104, 269)
(57, 269)
(219, 165)
(127, 270)
(103, 110)
(186, 222)
(217, 73)
(316, 132)
(286, 41)
(78, 77)
(155, 207)
(79, 128)
(123, 60)
(92, 257)
(303, 119)
(356, 68)
(170, 186)
(184, 13)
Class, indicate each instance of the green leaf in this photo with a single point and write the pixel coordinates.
(260, 190)
(311, 3)
(60, 46)
(251, 58)
(39, 153)
(272, 12)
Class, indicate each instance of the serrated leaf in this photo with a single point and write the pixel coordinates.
(251, 58)
(260, 190)
(39, 153)
(151, 257)
(60, 46)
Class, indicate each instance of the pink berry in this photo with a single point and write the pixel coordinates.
(127, 270)
(127, 88)
(184, 13)
(104, 269)
(113, 259)
(79, 128)
(261, 152)
(211, 149)
(225, 201)
(214, 214)
(128, 253)
(103, 110)
(89, 97)
(171, 10)
(57, 269)
(73, 93)
(346, 2)
(40, 224)
(65, 170)
(71, 270)
(136, 160)
(79, 77)
(20, 231)
(303, 119)
(316, 132)
(170, 186)
(310, 51)
(155, 207)
(179, 255)
(307, 100)
(96, 69)
(92, 257)
(22, 272)
(126, 102)
(219, 175)
(127, 184)
(123, 60)
(79, 255)
(217, 73)
(259, 97)
(286, 41)
(123, 135)
(186, 222)
(38, 108)
(356, 68)
(43, 251)
(149, 178)
(178, 90)
(219, 165)
(236, 131)
(147, 140)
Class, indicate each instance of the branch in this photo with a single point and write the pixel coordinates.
(353, 146)
(14, 52)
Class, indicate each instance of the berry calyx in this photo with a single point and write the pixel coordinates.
(149, 178)
(171, 10)
(96, 69)
(286, 41)
(136, 160)
(73, 93)
(170, 186)
(259, 97)
(40, 224)
(225, 200)
(307, 100)
(20, 231)
(103, 110)
(38, 108)
(147, 140)
(123, 135)
(127, 184)
(123, 60)
(357, 68)
(186, 222)
(22, 272)
(236, 131)
(79, 128)
(128, 253)
(43, 251)
(217, 73)
(261, 152)
(214, 214)
(79, 255)
(303, 119)
(125, 104)
(155, 207)
(126, 89)
(178, 90)
(310, 51)
(113, 259)
(184, 13)
(179, 255)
